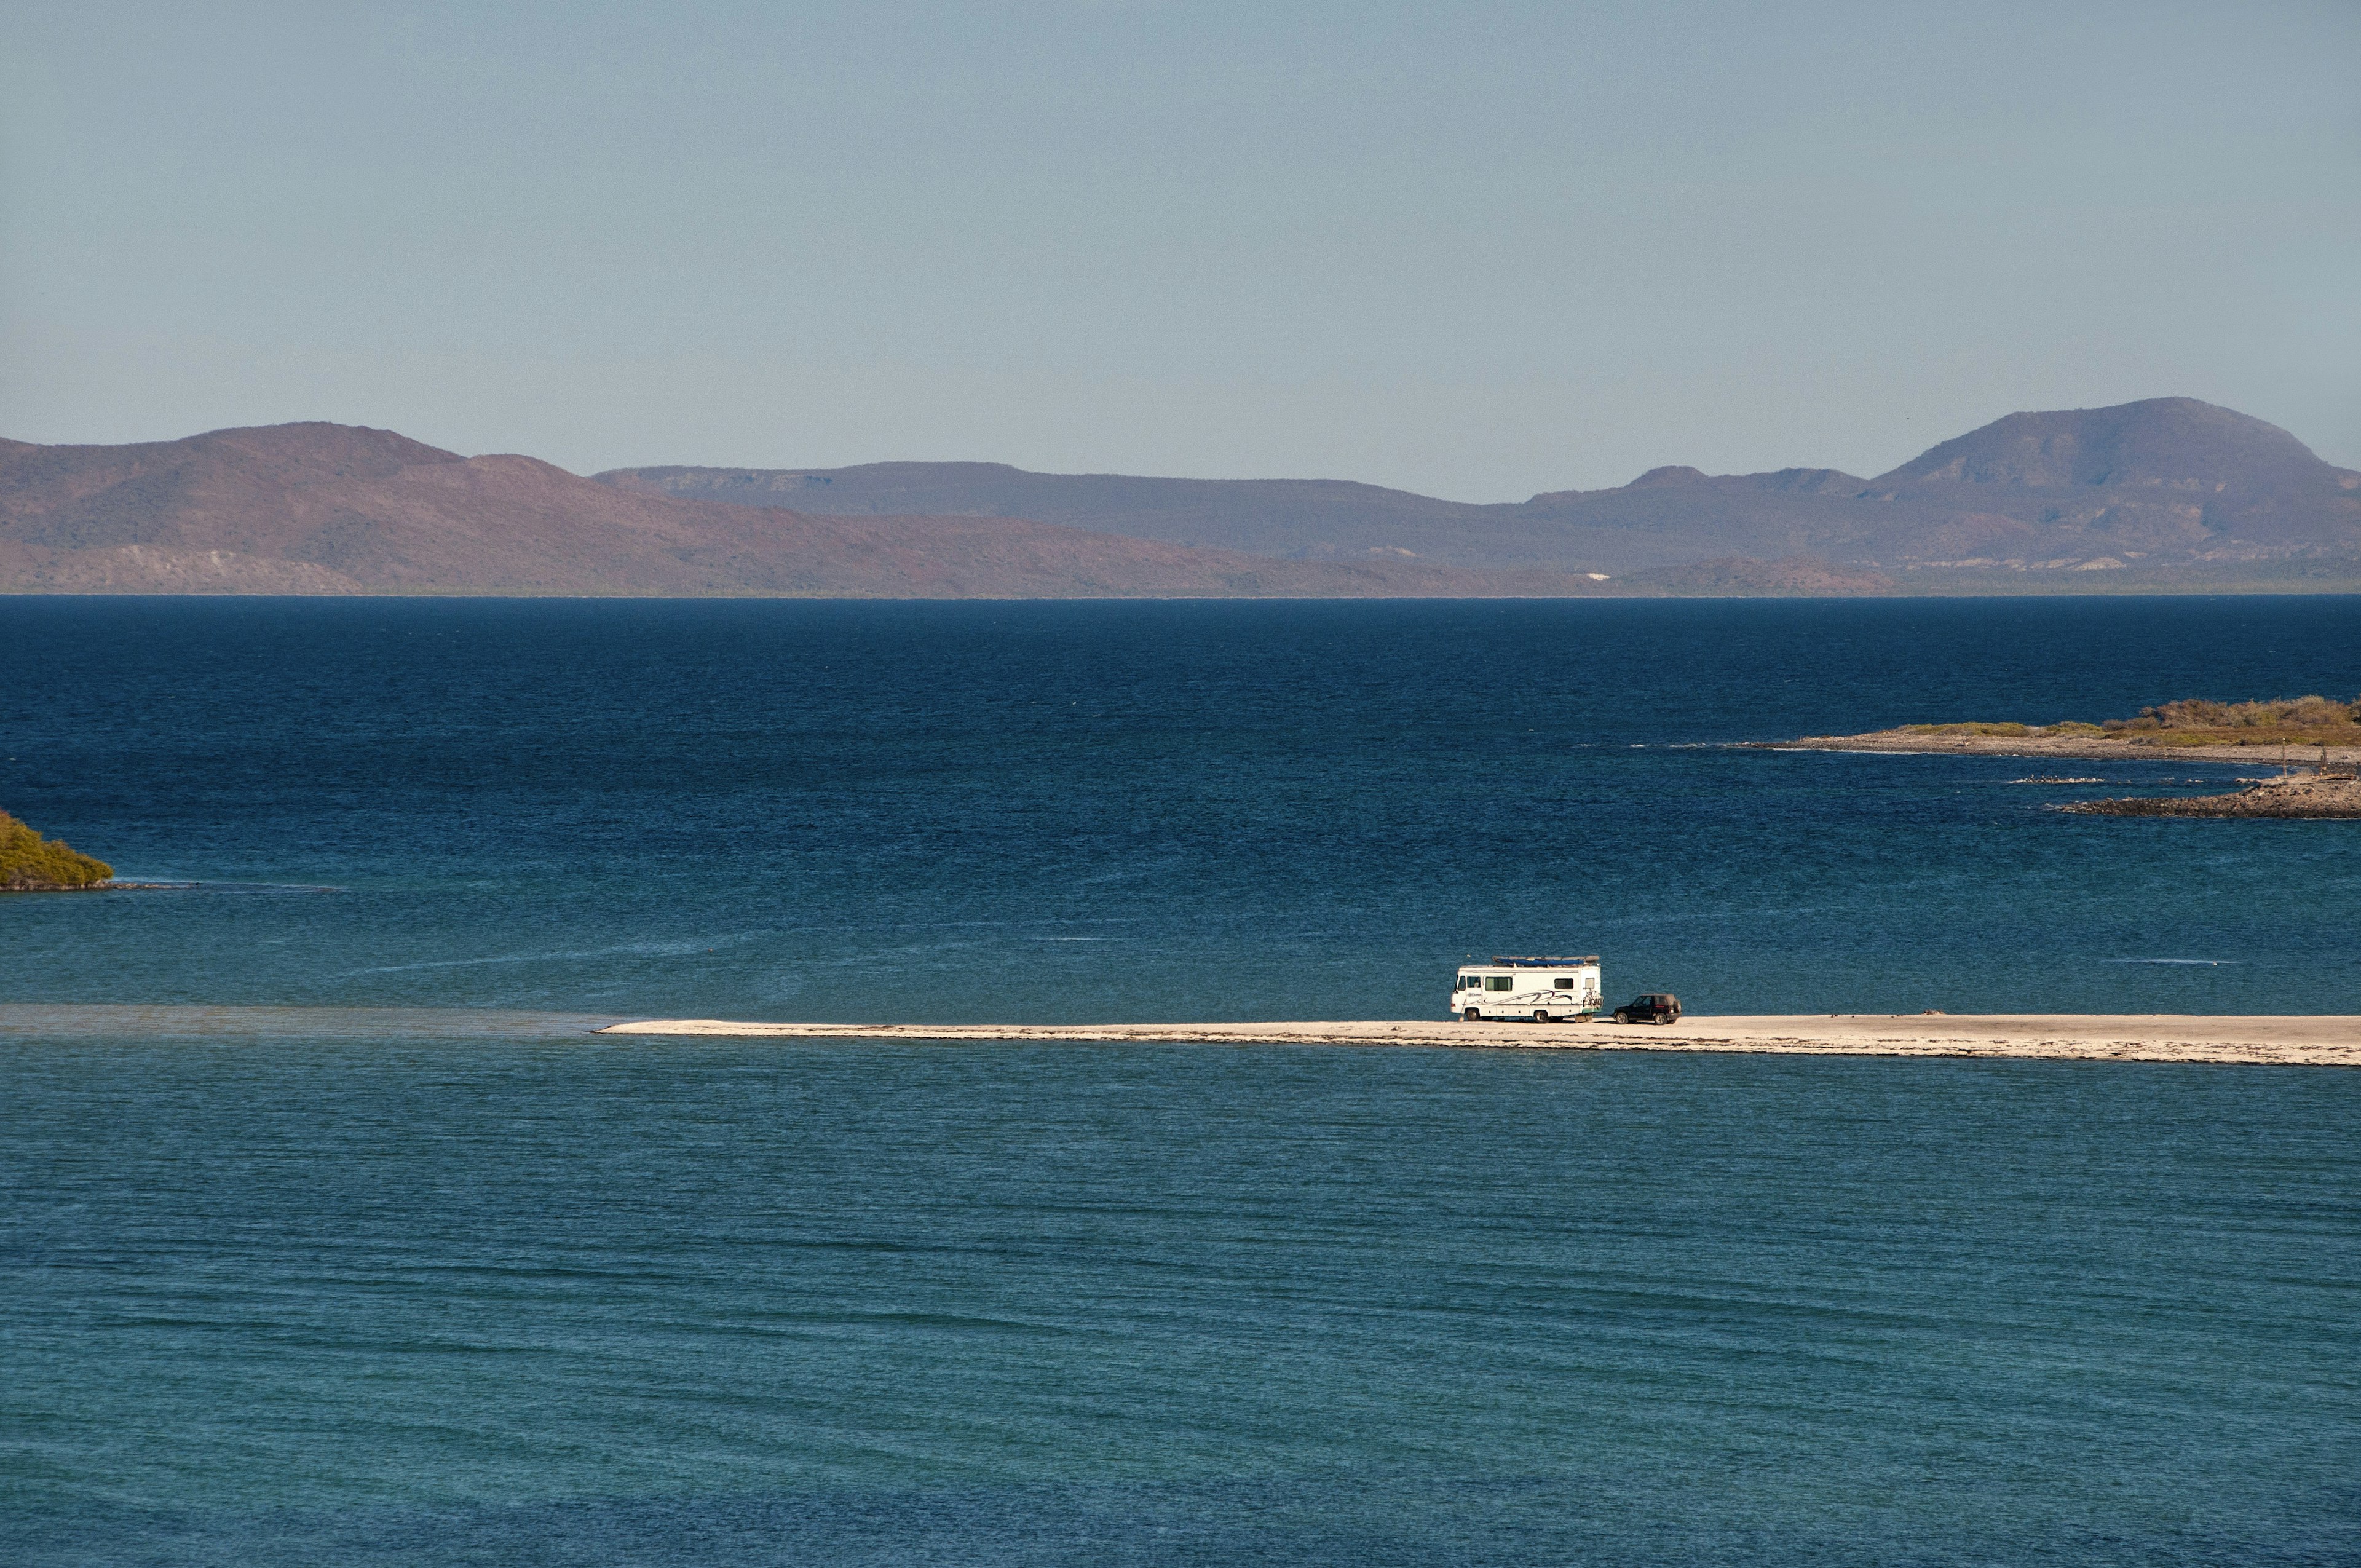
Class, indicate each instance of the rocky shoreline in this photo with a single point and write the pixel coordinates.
(2326, 790)
(2298, 795)
(2087, 747)
(110, 885)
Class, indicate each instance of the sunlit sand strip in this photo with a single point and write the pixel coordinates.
(2322, 1041)
(2317, 1040)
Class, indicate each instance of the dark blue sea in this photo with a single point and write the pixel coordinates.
(328, 1233)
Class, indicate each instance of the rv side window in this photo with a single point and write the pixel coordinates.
(1496, 982)
(1565, 984)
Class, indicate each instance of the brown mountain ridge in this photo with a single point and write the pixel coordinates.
(309, 509)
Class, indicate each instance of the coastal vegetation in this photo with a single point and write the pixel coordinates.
(31, 864)
(2195, 721)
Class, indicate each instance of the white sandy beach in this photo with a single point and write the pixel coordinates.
(2319, 1040)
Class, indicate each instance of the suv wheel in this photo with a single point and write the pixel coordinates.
(1622, 1015)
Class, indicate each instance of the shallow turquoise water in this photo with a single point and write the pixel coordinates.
(462, 1283)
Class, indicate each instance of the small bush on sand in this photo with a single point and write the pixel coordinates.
(2007, 728)
(30, 861)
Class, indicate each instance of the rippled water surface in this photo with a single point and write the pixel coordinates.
(649, 1301)
(331, 1233)
(1148, 811)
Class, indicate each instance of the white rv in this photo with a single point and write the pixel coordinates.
(1542, 989)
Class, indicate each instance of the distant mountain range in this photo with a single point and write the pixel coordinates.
(2170, 484)
(2167, 494)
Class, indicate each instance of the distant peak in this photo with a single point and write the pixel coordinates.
(1675, 475)
(2175, 442)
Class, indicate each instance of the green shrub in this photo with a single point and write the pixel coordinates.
(29, 860)
(2304, 713)
(2201, 722)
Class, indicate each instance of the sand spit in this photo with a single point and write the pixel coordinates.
(2091, 747)
(2322, 1041)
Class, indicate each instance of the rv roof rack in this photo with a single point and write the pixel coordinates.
(1510, 958)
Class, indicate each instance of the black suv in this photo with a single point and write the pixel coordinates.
(1656, 1007)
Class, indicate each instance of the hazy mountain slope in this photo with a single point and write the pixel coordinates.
(232, 490)
(2168, 482)
(2175, 442)
(2165, 473)
(1273, 517)
(329, 508)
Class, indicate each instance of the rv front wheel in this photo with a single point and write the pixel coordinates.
(1474, 1015)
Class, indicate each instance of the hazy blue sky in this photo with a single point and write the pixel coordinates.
(1474, 249)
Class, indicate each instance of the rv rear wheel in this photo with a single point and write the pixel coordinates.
(1474, 1015)
(1539, 1017)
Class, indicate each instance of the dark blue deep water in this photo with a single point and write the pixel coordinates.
(463, 1284)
